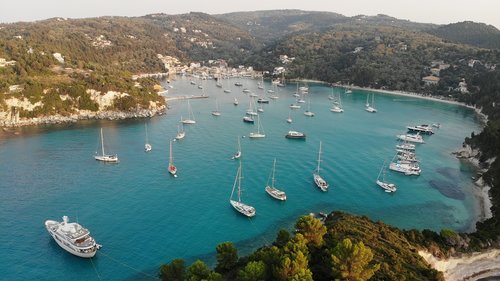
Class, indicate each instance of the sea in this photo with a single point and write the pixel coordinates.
(144, 217)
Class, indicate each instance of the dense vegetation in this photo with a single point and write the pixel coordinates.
(387, 57)
(476, 34)
(345, 247)
(488, 98)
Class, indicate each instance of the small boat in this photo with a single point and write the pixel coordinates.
(239, 84)
(237, 155)
(411, 138)
(239, 206)
(370, 107)
(295, 135)
(180, 133)
(216, 112)
(147, 145)
(246, 91)
(294, 106)
(271, 189)
(289, 119)
(72, 237)
(423, 129)
(235, 102)
(259, 134)
(318, 180)
(200, 87)
(405, 167)
(337, 105)
(436, 125)
(218, 84)
(227, 91)
(190, 120)
(192, 82)
(308, 112)
(262, 100)
(388, 187)
(406, 146)
(248, 119)
(105, 157)
(171, 167)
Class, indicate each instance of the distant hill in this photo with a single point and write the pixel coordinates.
(276, 24)
(472, 33)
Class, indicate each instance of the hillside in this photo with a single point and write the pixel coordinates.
(472, 33)
(276, 24)
(45, 62)
(379, 57)
(345, 247)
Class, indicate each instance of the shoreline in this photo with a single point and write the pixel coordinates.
(86, 115)
(483, 117)
(466, 266)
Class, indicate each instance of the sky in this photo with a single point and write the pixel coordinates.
(425, 11)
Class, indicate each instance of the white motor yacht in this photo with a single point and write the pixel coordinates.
(72, 237)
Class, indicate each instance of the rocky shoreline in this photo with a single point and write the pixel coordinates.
(83, 115)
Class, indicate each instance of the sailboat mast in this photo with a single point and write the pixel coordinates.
(170, 158)
(319, 157)
(274, 167)
(102, 143)
(239, 182)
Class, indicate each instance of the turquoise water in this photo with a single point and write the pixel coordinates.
(144, 217)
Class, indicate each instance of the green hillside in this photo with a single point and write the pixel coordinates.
(472, 33)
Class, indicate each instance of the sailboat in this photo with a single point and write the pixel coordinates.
(218, 84)
(237, 155)
(273, 191)
(147, 145)
(190, 119)
(226, 89)
(308, 112)
(180, 133)
(388, 187)
(259, 134)
(239, 206)
(171, 167)
(105, 157)
(318, 180)
(260, 85)
(337, 106)
(250, 110)
(216, 112)
(370, 107)
(289, 119)
(296, 94)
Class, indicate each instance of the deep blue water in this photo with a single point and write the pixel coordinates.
(144, 217)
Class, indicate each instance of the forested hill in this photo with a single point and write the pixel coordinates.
(273, 25)
(472, 33)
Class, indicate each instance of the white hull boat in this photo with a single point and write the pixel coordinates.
(72, 237)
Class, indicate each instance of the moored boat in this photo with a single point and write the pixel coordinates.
(295, 135)
(72, 237)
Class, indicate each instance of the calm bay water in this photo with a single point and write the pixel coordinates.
(143, 217)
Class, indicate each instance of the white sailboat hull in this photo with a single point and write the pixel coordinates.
(256, 135)
(107, 158)
(242, 208)
(276, 193)
(388, 187)
(320, 182)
